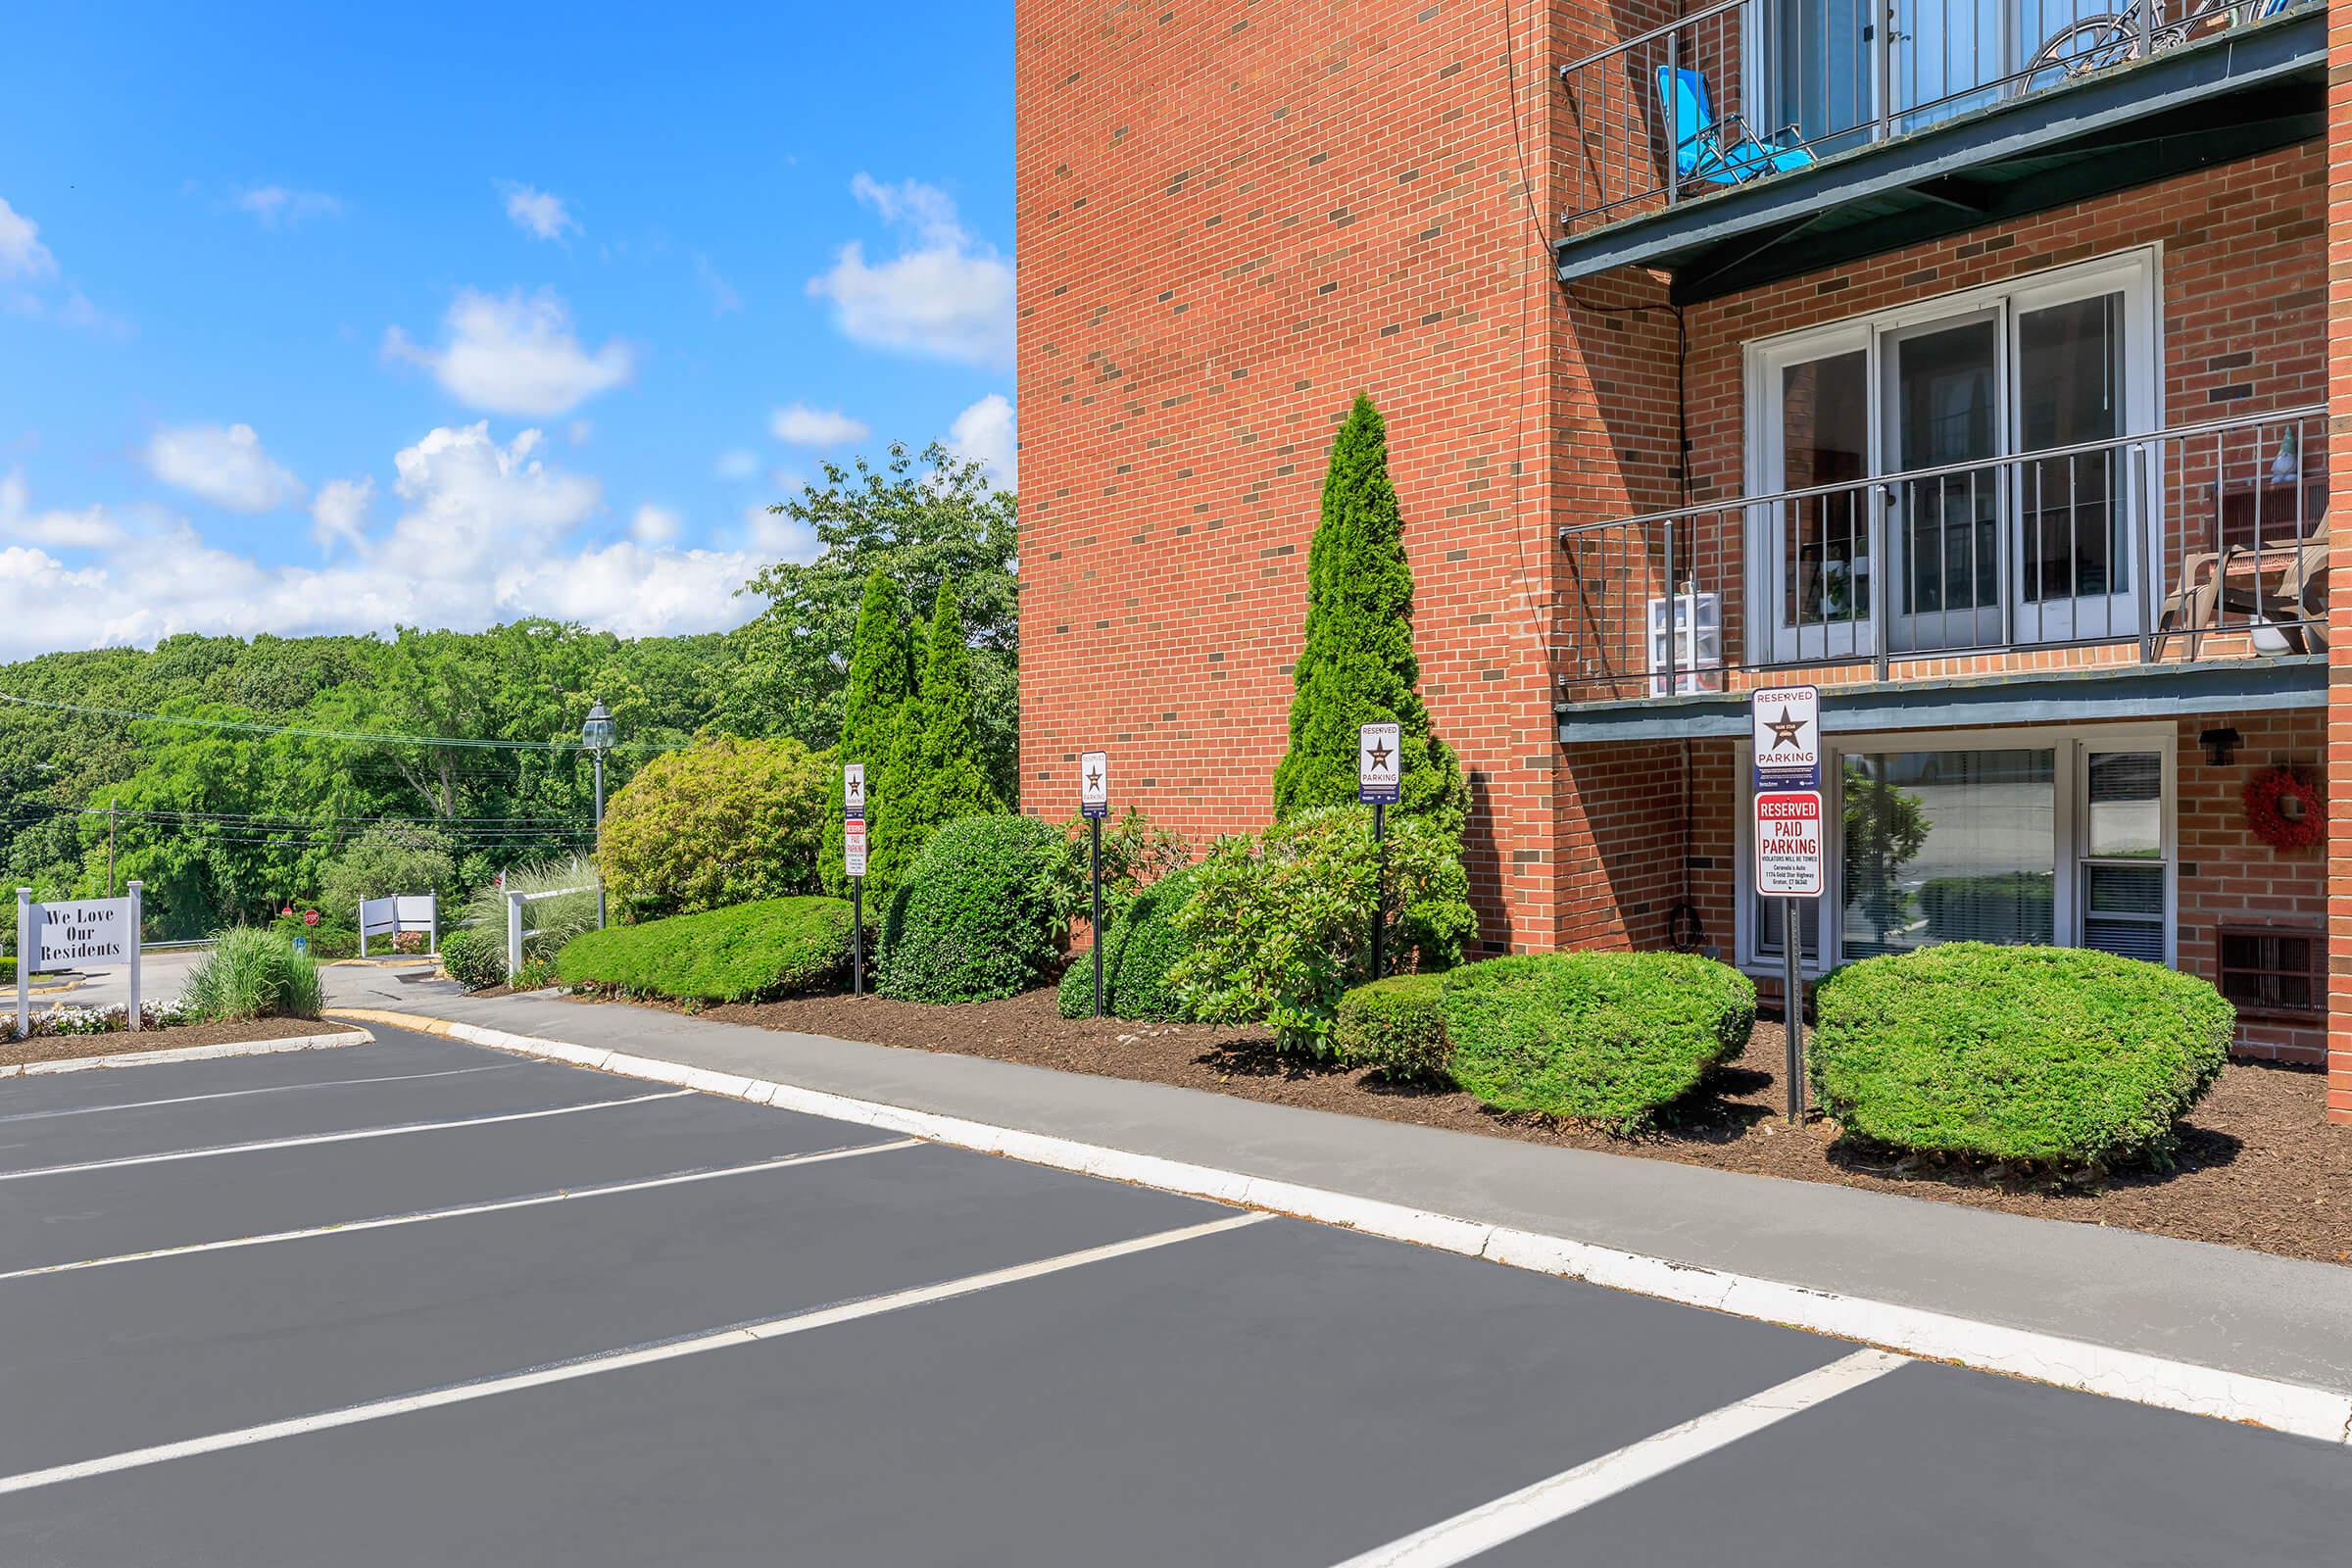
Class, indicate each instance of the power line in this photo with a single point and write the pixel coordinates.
(356, 737)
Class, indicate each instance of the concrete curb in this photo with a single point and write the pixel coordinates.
(234, 1047)
(2301, 1409)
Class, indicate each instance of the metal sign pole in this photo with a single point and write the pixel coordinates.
(1792, 981)
(1380, 894)
(857, 936)
(1095, 823)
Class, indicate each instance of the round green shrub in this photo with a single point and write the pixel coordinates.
(1145, 943)
(723, 822)
(1603, 1037)
(977, 915)
(1394, 1027)
(1074, 998)
(773, 948)
(474, 958)
(2057, 1055)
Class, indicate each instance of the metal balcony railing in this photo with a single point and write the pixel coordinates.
(2198, 542)
(1745, 90)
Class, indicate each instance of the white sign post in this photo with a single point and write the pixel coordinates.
(73, 935)
(1093, 803)
(1790, 831)
(853, 863)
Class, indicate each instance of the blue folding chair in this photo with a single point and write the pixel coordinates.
(1721, 152)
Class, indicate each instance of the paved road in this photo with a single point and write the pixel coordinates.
(419, 1303)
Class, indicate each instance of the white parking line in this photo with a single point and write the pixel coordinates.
(613, 1361)
(331, 1138)
(494, 1206)
(1464, 1535)
(271, 1089)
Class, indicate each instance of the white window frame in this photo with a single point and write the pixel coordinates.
(2070, 824)
(2136, 273)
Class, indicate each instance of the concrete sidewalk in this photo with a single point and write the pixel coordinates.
(2236, 1313)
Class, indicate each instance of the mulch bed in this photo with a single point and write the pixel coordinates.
(67, 1048)
(2259, 1166)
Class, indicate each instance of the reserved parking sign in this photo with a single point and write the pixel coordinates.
(1789, 843)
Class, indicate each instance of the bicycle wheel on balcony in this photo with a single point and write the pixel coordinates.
(2083, 47)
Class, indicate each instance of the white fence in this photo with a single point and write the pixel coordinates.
(399, 915)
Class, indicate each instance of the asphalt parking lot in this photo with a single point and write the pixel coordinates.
(420, 1303)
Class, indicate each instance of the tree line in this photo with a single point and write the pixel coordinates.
(229, 774)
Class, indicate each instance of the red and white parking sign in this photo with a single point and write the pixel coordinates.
(1789, 843)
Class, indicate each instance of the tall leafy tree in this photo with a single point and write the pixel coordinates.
(922, 519)
(935, 774)
(880, 686)
(1358, 666)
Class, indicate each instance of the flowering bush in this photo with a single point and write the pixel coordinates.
(95, 1020)
(407, 941)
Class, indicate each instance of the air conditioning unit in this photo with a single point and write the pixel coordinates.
(1685, 643)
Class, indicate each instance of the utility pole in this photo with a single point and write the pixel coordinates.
(109, 845)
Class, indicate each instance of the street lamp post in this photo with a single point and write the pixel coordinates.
(597, 736)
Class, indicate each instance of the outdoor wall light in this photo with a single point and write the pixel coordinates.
(2220, 745)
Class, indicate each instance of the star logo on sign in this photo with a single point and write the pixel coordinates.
(856, 789)
(1379, 754)
(1094, 780)
(1785, 730)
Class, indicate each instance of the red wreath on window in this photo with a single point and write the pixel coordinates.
(2284, 811)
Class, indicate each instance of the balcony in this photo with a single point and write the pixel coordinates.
(2175, 573)
(1807, 132)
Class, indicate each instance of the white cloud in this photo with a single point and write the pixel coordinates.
(944, 294)
(339, 513)
(802, 427)
(775, 536)
(486, 532)
(515, 354)
(21, 253)
(537, 213)
(655, 526)
(225, 466)
(736, 465)
(985, 433)
(90, 528)
(279, 207)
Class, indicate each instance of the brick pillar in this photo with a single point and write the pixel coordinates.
(2339, 607)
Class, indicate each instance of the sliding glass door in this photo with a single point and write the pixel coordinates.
(1945, 391)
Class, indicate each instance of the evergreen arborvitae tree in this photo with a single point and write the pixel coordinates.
(879, 689)
(936, 775)
(1358, 666)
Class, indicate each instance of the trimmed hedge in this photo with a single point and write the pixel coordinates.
(979, 915)
(1395, 1027)
(771, 948)
(2056, 1054)
(1602, 1037)
(474, 958)
(1141, 947)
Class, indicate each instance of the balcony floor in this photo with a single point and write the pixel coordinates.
(2121, 691)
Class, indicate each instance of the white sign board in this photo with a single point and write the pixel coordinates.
(1789, 843)
(853, 845)
(853, 791)
(1379, 768)
(406, 912)
(1786, 720)
(84, 934)
(1093, 784)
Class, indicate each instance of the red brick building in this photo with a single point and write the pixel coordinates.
(1991, 368)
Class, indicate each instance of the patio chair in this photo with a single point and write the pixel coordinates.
(2208, 593)
(1720, 151)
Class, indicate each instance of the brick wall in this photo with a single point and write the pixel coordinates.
(1233, 219)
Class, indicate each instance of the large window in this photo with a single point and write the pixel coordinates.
(1982, 839)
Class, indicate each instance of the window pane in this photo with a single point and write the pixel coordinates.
(2070, 378)
(2127, 806)
(1824, 542)
(1947, 847)
(2122, 910)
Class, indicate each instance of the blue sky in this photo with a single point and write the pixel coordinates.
(284, 292)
